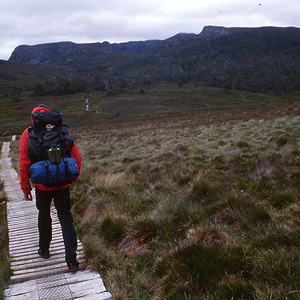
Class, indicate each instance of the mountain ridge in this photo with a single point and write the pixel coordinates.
(145, 47)
(264, 59)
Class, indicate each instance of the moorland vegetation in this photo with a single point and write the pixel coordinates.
(184, 193)
(190, 209)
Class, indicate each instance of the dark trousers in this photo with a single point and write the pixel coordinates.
(62, 203)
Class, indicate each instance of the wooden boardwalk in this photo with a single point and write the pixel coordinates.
(32, 276)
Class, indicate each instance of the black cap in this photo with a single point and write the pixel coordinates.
(43, 105)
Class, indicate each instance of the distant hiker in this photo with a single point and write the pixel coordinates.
(87, 107)
(50, 158)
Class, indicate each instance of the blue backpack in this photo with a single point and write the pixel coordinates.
(43, 172)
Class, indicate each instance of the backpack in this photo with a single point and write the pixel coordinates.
(48, 132)
(49, 146)
(43, 172)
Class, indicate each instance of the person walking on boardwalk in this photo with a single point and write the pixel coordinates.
(48, 155)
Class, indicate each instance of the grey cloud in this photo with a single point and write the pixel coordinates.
(43, 21)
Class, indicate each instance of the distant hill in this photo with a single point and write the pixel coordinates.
(47, 54)
(16, 77)
(265, 59)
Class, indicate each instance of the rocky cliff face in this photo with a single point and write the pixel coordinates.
(219, 31)
(41, 54)
(46, 54)
(215, 31)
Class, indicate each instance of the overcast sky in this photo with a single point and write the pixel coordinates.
(33, 22)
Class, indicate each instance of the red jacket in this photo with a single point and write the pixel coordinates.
(25, 162)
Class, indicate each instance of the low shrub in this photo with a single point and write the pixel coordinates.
(281, 199)
(278, 272)
(194, 270)
(113, 229)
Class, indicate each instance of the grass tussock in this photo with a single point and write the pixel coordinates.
(110, 182)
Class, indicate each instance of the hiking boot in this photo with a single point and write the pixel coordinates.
(44, 254)
(73, 266)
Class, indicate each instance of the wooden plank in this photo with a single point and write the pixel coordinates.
(34, 251)
(35, 275)
(82, 276)
(29, 250)
(23, 237)
(33, 241)
(18, 216)
(100, 296)
(96, 285)
(17, 232)
(38, 264)
(40, 274)
(27, 233)
(42, 263)
(35, 257)
(27, 265)
(21, 288)
(28, 296)
(24, 243)
(28, 242)
(21, 218)
(15, 213)
(26, 207)
(22, 225)
(86, 288)
(19, 241)
(40, 269)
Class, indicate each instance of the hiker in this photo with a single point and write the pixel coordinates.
(33, 154)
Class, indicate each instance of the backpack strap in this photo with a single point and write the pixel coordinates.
(47, 170)
(57, 174)
(66, 169)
